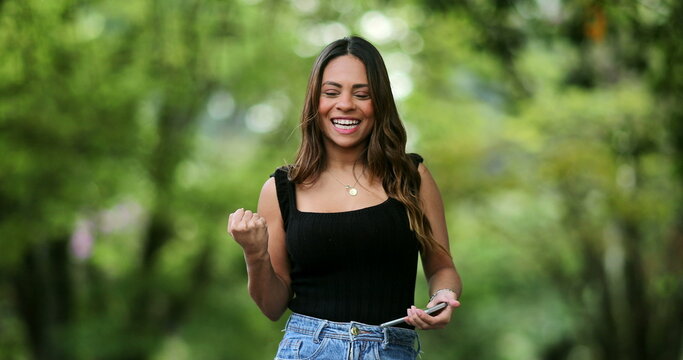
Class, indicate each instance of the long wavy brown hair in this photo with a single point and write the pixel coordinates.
(384, 156)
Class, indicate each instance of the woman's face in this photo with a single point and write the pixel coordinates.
(345, 107)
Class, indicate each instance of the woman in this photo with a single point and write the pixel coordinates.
(337, 233)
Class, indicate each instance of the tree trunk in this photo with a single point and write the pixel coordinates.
(43, 297)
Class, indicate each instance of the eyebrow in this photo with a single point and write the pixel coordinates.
(335, 84)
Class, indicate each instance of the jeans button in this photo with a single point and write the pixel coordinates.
(354, 331)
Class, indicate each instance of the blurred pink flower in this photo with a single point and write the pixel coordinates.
(82, 240)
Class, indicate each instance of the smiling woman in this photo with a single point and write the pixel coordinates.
(337, 234)
(346, 113)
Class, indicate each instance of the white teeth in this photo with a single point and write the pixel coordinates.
(346, 122)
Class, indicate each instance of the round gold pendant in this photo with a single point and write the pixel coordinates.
(353, 191)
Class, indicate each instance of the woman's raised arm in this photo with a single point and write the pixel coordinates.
(262, 238)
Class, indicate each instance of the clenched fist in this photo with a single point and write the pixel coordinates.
(249, 230)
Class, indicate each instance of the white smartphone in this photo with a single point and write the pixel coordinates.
(431, 310)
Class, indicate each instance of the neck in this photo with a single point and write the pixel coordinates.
(344, 160)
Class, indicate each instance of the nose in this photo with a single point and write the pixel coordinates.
(345, 103)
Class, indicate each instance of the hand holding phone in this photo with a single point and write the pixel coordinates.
(430, 310)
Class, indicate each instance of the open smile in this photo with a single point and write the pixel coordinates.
(345, 125)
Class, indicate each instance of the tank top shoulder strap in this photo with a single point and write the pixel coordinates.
(417, 159)
(285, 193)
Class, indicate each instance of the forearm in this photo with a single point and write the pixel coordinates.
(439, 279)
(445, 278)
(270, 292)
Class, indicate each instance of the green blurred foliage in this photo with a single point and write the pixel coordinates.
(129, 130)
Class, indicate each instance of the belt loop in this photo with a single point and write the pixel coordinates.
(385, 340)
(287, 323)
(419, 347)
(318, 331)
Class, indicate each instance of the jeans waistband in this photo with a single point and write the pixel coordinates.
(320, 328)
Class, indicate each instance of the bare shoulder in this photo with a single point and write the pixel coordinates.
(422, 169)
(269, 208)
(268, 189)
(433, 207)
(268, 205)
(428, 184)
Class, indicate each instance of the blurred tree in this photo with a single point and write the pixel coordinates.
(630, 302)
(106, 108)
(128, 131)
(66, 134)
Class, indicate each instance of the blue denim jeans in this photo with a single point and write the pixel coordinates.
(312, 338)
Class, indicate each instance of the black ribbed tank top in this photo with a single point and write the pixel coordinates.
(357, 265)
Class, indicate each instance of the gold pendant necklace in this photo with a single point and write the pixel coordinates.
(350, 189)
